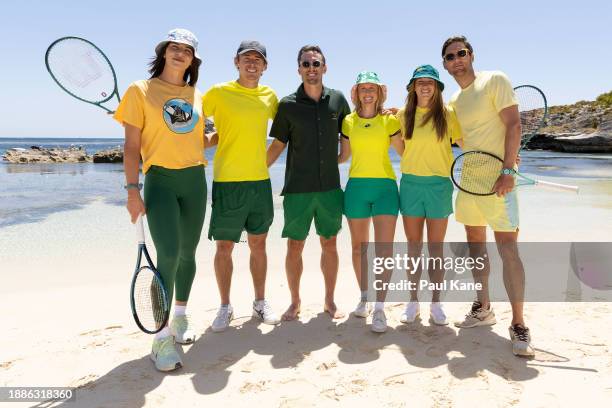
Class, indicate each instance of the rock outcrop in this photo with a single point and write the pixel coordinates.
(37, 154)
(585, 127)
(114, 155)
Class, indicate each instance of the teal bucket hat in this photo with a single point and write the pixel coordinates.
(368, 77)
(426, 71)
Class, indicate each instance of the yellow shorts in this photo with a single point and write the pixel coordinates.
(500, 213)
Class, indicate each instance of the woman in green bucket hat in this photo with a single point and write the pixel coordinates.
(428, 129)
(371, 193)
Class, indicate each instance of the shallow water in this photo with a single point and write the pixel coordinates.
(30, 192)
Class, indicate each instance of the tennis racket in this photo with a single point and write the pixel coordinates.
(82, 70)
(476, 172)
(148, 296)
(533, 109)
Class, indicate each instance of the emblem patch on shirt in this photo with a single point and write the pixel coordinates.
(179, 116)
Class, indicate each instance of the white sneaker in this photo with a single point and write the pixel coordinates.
(379, 321)
(437, 314)
(263, 311)
(521, 341)
(412, 311)
(181, 330)
(478, 316)
(222, 321)
(363, 309)
(164, 355)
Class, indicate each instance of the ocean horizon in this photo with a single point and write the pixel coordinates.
(30, 192)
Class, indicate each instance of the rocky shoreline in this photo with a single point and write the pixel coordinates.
(73, 154)
(584, 127)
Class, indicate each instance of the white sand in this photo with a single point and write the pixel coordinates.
(66, 322)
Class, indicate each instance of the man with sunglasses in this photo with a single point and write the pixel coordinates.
(487, 111)
(242, 193)
(309, 123)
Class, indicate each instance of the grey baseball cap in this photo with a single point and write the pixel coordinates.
(252, 45)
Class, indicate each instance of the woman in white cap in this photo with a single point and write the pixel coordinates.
(371, 193)
(164, 124)
(428, 128)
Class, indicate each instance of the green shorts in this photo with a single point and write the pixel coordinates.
(239, 206)
(300, 208)
(426, 196)
(369, 197)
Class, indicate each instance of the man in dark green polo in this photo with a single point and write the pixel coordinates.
(309, 122)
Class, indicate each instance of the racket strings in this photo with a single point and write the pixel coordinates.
(90, 71)
(81, 69)
(532, 110)
(149, 300)
(476, 172)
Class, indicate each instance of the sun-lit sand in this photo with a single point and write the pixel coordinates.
(66, 322)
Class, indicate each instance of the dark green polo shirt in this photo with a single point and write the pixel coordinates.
(311, 131)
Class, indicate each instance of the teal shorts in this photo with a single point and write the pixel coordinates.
(426, 196)
(239, 206)
(369, 197)
(300, 209)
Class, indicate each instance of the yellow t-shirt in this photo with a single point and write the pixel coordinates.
(370, 141)
(241, 117)
(170, 119)
(478, 107)
(424, 154)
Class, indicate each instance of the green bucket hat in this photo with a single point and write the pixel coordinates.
(368, 77)
(426, 71)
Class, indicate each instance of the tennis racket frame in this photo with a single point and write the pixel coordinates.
(98, 104)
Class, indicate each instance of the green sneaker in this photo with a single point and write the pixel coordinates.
(164, 354)
(179, 327)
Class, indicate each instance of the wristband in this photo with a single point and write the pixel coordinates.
(133, 185)
(507, 171)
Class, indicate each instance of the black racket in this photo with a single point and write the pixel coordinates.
(148, 296)
(533, 109)
(476, 172)
(81, 69)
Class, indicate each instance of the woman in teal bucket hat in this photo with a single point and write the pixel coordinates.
(371, 192)
(428, 129)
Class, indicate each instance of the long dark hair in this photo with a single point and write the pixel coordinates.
(156, 67)
(437, 113)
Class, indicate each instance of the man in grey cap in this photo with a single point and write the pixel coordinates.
(242, 193)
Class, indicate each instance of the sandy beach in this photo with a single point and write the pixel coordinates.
(67, 322)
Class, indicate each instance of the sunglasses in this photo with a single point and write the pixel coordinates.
(460, 54)
(315, 63)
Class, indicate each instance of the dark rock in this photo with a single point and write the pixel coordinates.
(114, 155)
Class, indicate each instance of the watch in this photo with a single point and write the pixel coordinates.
(133, 185)
(507, 171)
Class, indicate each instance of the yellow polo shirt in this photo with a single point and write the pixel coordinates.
(370, 141)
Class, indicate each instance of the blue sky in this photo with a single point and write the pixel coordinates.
(564, 48)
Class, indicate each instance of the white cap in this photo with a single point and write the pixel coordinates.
(181, 36)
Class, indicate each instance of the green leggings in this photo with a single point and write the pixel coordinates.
(176, 203)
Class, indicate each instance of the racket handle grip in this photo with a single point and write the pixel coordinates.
(140, 230)
(555, 186)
